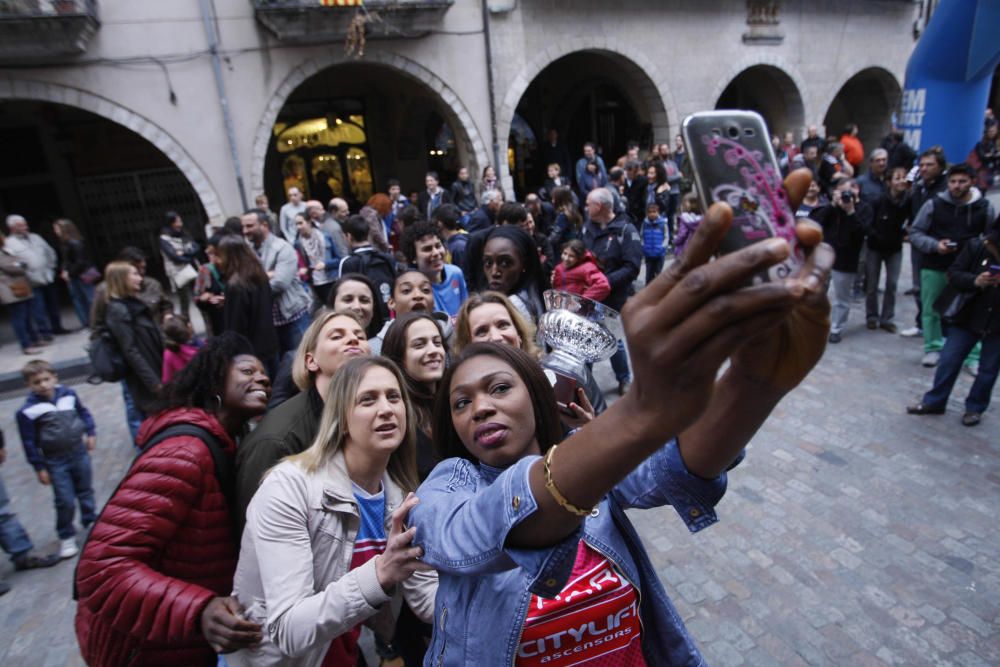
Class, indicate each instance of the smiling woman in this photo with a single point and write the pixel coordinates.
(316, 558)
(416, 344)
(165, 545)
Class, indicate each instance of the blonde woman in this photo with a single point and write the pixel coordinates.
(136, 333)
(330, 341)
(324, 548)
(490, 317)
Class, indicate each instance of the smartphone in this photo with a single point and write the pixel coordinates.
(952, 244)
(733, 162)
(564, 387)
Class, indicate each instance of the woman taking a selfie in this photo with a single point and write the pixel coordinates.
(514, 522)
(324, 547)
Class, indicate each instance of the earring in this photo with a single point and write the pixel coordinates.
(219, 399)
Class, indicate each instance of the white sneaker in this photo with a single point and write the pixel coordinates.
(912, 332)
(931, 359)
(68, 548)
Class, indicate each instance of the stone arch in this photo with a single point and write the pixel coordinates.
(43, 91)
(650, 86)
(868, 97)
(785, 112)
(452, 106)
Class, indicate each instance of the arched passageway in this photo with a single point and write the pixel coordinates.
(769, 91)
(869, 98)
(597, 96)
(347, 129)
(113, 183)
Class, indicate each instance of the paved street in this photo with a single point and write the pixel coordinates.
(853, 534)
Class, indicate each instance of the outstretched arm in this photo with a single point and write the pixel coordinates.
(681, 329)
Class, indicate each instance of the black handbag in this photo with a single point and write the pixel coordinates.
(950, 304)
(106, 359)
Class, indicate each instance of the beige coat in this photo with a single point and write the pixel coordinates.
(294, 575)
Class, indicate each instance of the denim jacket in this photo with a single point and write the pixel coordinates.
(464, 516)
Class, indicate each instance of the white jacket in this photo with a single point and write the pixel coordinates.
(38, 256)
(294, 575)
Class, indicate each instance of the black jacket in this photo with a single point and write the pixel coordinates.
(288, 429)
(74, 260)
(981, 314)
(482, 218)
(618, 249)
(887, 228)
(247, 310)
(845, 232)
(141, 344)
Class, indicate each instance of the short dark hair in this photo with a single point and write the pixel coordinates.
(432, 174)
(391, 182)
(170, 216)
(233, 225)
(357, 228)
(548, 429)
(414, 233)
(936, 152)
(511, 213)
(616, 173)
(409, 215)
(261, 217)
(962, 168)
(130, 254)
(447, 215)
(591, 144)
(36, 367)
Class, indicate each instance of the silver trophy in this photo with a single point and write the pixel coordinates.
(578, 331)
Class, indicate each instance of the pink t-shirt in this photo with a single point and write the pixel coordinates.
(593, 621)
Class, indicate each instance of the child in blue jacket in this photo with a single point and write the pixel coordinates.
(58, 434)
(654, 230)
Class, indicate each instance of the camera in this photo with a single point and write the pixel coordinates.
(847, 197)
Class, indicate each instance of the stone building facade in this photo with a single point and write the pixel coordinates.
(427, 92)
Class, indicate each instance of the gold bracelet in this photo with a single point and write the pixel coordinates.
(551, 486)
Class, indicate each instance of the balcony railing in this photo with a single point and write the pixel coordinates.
(313, 21)
(39, 30)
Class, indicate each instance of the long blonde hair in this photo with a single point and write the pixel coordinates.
(116, 279)
(463, 327)
(332, 435)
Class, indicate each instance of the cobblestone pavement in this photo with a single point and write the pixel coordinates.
(853, 534)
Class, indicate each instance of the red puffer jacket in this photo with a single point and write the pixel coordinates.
(163, 548)
(585, 279)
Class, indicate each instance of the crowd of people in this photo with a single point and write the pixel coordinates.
(366, 435)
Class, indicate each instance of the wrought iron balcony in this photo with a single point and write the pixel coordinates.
(39, 30)
(313, 21)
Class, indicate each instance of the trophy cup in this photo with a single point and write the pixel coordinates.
(578, 331)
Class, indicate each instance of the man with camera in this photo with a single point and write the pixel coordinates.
(844, 221)
(944, 224)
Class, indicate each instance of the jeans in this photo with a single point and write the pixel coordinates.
(653, 267)
(960, 342)
(20, 314)
(82, 295)
(873, 269)
(71, 483)
(133, 415)
(841, 283)
(619, 362)
(38, 323)
(13, 539)
(50, 296)
(289, 335)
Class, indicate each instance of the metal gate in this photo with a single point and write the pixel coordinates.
(127, 209)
